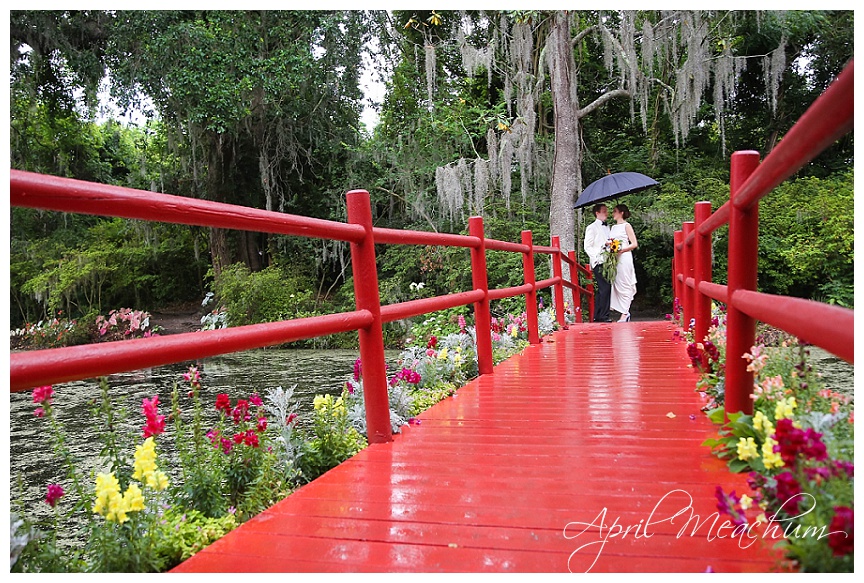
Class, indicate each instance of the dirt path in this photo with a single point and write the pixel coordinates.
(177, 319)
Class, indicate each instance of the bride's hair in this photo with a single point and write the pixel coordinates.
(622, 208)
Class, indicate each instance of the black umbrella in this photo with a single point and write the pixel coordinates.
(612, 186)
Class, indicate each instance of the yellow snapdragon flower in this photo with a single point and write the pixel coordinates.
(146, 471)
(133, 499)
(145, 459)
(746, 501)
(111, 504)
(785, 408)
(747, 449)
(763, 424)
(107, 488)
(442, 355)
(321, 401)
(769, 457)
(338, 408)
(157, 480)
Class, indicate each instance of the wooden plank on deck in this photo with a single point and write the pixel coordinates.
(572, 430)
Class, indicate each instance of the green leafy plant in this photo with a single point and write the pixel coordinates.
(333, 438)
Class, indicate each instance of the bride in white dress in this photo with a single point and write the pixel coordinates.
(624, 286)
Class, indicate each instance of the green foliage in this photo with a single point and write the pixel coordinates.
(91, 267)
(184, 533)
(806, 238)
(332, 437)
(273, 294)
(439, 324)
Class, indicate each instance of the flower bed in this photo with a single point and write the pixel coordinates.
(55, 332)
(148, 510)
(798, 447)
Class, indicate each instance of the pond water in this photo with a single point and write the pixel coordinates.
(836, 373)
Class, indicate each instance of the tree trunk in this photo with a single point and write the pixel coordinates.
(567, 167)
(220, 248)
(220, 251)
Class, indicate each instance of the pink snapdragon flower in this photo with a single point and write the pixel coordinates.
(55, 492)
(43, 395)
(155, 423)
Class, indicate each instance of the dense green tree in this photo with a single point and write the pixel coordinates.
(264, 101)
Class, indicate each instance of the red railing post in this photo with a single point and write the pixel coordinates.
(743, 260)
(559, 287)
(577, 295)
(701, 271)
(590, 276)
(531, 296)
(482, 315)
(678, 237)
(366, 297)
(687, 270)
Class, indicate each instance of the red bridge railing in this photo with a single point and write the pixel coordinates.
(51, 366)
(829, 327)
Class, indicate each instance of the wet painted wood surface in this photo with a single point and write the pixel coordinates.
(600, 424)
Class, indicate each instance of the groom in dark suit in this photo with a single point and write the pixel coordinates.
(596, 235)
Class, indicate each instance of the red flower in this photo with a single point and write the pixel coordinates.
(55, 491)
(240, 411)
(262, 424)
(841, 537)
(406, 374)
(223, 403)
(433, 342)
(238, 438)
(39, 412)
(155, 423)
(250, 438)
(792, 441)
(291, 418)
(43, 395)
(358, 369)
(787, 488)
(256, 400)
(845, 467)
(226, 445)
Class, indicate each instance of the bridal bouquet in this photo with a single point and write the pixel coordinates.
(610, 259)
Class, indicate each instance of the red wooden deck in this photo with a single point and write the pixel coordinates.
(491, 477)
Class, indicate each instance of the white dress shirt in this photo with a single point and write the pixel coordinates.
(596, 236)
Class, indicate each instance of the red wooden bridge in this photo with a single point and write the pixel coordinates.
(597, 423)
(581, 453)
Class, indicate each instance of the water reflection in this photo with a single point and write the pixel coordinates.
(625, 355)
(615, 382)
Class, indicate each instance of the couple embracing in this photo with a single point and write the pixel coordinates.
(609, 251)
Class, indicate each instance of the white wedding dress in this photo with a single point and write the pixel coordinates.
(624, 286)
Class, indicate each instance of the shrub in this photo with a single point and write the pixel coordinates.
(333, 438)
(270, 295)
(123, 324)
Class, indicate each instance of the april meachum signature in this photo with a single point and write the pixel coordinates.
(743, 532)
